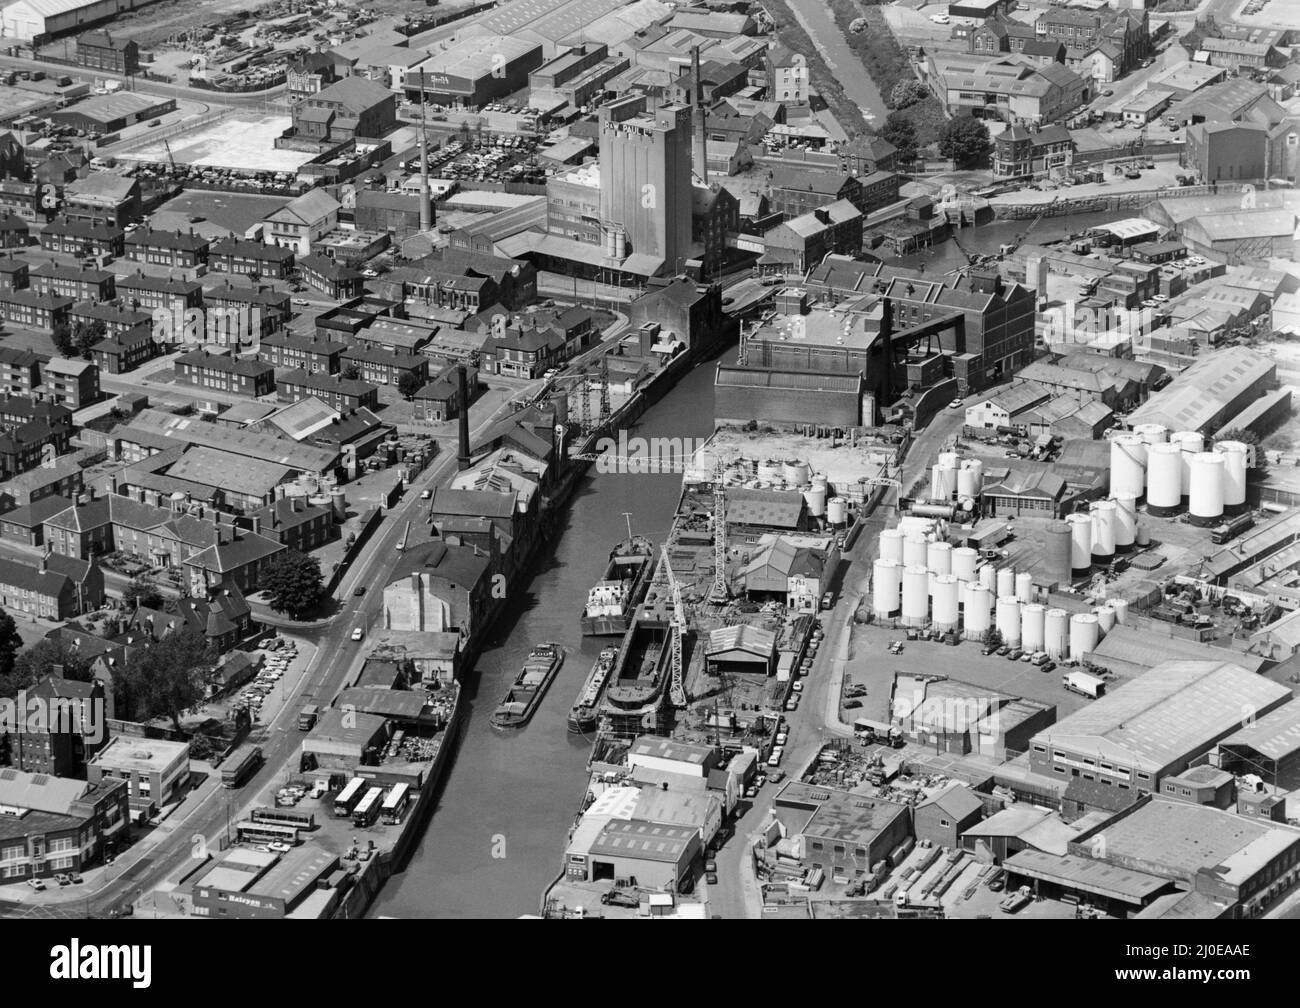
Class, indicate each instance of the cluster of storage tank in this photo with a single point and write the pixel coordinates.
(955, 485)
(775, 474)
(920, 579)
(1179, 471)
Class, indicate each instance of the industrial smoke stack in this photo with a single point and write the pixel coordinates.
(462, 390)
(426, 202)
(699, 125)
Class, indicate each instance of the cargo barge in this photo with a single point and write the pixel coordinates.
(584, 715)
(520, 702)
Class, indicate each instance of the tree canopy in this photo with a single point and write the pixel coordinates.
(900, 131)
(293, 582)
(966, 140)
(167, 676)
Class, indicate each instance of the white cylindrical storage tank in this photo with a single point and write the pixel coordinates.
(837, 511)
(964, 561)
(1008, 619)
(1152, 433)
(891, 545)
(815, 497)
(924, 527)
(770, 470)
(1103, 531)
(1084, 635)
(339, 501)
(1205, 502)
(795, 473)
(886, 587)
(979, 608)
(1143, 535)
(1235, 455)
(915, 550)
(1191, 444)
(1080, 541)
(1128, 460)
(1126, 521)
(1025, 586)
(1006, 581)
(945, 602)
(1056, 633)
(938, 557)
(947, 483)
(949, 460)
(1164, 479)
(936, 482)
(1120, 605)
(1033, 626)
(989, 577)
(1106, 619)
(916, 596)
(970, 478)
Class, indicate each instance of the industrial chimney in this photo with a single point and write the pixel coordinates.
(462, 394)
(699, 125)
(426, 200)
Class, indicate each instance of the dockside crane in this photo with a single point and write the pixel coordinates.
(677, 629)
(720, 593)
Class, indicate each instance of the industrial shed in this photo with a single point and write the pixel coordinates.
(111, 112)
(737, 649)
(787, 396)
(40, 19)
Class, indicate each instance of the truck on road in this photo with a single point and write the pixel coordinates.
(868, 731)
(1085, 684)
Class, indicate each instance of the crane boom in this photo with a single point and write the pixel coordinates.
(677, 628)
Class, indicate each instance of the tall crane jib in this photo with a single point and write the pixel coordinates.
(720, 593)
(677, 628)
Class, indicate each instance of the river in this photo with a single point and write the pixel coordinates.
(497, 835)
(496, 838)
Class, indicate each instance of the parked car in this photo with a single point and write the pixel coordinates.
(37, 884)
(617, 897)
(63, 879)
(359, 590)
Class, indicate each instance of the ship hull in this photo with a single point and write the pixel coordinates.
(616, 624)
(529, 696)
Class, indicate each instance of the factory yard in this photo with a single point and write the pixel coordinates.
(871, 665)
(242, 141)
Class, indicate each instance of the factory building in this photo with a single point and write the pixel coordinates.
(474, 71)
(1123, 745)
(39, 20)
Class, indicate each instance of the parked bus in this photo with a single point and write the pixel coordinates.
(395, 803)
(346, 800)
(255, 832)
(239, 764)
(285, 817)
(368, 810)
(307, 717)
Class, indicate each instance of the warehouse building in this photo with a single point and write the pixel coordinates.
(1210, 392)
(109, 113)
(474, 71)
(1121, 746)
(788, 396)
(1221, 856)
(38, 20)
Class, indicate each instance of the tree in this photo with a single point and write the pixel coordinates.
(409, 383)
(966, 140)
(907, 92)
(64, 343)
(1239, 434)
(351, 372)
(45, 657)
(86, 335)
(141, 592)
(900, 131)
(167, 677)
(992, 637)
(10, 642)
(293, 582)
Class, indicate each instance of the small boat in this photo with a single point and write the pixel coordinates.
(520, 702)
(583, 718)
(612, 599)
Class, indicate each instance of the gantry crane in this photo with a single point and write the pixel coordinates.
(677, 629)
(720, 592)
